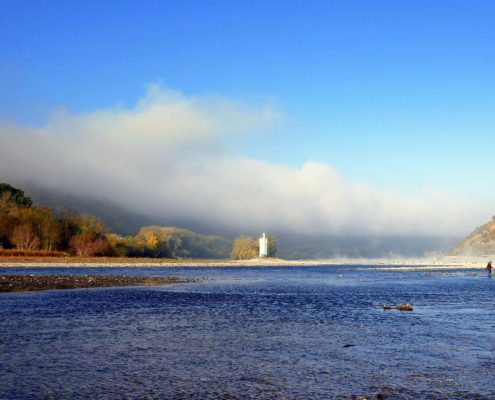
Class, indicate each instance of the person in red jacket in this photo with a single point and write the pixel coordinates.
(489, 269)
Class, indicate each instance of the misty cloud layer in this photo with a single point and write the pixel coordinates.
(166, 157)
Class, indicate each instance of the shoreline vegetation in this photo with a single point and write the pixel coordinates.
(25, 283)
(29, 230)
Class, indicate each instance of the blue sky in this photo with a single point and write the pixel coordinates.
(399, 95)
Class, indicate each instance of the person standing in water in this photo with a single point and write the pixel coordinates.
(489, 269)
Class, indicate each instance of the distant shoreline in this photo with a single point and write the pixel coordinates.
(98, 262)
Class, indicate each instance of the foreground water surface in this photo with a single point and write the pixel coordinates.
(296, 333)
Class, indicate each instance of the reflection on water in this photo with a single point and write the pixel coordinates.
(253, 333)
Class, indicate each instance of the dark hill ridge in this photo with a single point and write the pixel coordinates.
(479, 242)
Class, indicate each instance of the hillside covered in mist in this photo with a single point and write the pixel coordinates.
(216, 239)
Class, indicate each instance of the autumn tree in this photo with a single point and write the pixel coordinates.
(34, 228)
(49, 228)
(24, 234)
(90, 236)
(244, 248)
(161, 241)
(24, 237)
(89, 244)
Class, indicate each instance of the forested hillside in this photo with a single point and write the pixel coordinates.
(25, 228)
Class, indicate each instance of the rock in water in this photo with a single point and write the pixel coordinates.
(400, 307)
(404, 307)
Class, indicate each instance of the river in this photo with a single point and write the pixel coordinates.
(261, 333)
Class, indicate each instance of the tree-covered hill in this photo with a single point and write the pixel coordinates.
(183, 243)
(26, 227)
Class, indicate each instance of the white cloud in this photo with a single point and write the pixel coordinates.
(165, 157)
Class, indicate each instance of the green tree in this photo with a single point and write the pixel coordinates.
(272, 246)
(7, 222)
(15, 195)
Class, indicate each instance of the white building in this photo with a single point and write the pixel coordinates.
(263, 246)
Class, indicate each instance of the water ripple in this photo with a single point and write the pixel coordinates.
(283, 333)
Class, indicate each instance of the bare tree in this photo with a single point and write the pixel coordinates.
(24, 237)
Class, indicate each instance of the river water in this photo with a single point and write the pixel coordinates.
(261, 333)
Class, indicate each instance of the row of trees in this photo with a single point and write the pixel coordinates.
(26, 227)
(170, 242)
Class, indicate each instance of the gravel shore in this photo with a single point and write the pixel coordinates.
(404, 264)
(23, 283)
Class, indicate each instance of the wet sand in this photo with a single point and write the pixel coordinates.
(24, 283)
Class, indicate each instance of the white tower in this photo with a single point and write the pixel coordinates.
(263, 246)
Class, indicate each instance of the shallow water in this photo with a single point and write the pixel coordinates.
(297, 333)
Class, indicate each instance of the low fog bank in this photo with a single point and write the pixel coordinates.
(329, 247)
(165, 162)
(291, 246)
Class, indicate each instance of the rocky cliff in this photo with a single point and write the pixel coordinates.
(480, 242)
